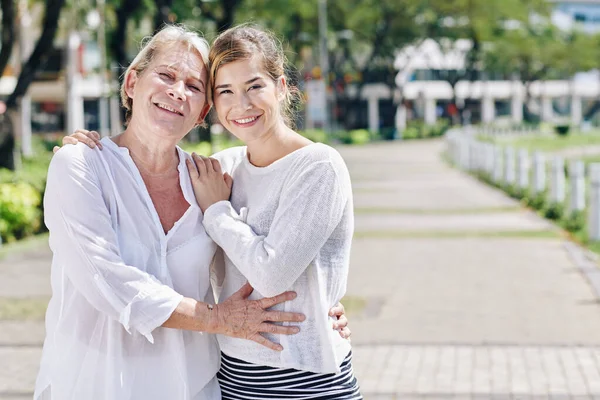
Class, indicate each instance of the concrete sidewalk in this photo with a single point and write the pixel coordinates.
(497, 310)
(467, 295)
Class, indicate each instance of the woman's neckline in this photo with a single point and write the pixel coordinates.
(276, 163)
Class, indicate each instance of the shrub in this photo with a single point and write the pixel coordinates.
(562, 129)
(555, 211)
(536, 201)
(20, 213)
(576, 221)
(316, 135)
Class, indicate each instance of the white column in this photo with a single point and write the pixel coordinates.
(523, 169)
(497, 173)
(576, 110)
(577, 181)
(509, 165)
(547, 111)
(539, 173)
(74, 102)
(594, 212)
(516, 106)
(116, 125)
(488, 109)
(400, 117)
(430, 111)
(373, 113)
(557, 181)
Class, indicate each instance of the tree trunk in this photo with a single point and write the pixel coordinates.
(8, 32)
(7, 139)
(40, 54)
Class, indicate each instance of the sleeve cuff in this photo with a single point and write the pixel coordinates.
(162, 304)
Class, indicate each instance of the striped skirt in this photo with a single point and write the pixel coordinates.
(241, 380)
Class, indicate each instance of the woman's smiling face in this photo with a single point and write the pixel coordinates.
(169, 97)
(246, 99)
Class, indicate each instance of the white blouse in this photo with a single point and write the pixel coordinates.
(288, 226)
(116, 278)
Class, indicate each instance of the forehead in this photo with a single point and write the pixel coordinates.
(241, 70)
(181, 59)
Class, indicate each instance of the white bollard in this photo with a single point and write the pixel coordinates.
(509, 165)
(539, 173)
(577, 183)
(497, 172)
(594, 212)
(490, 159)
(557, 181)
(523, 169)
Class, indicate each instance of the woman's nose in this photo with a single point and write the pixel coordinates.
(177, 91)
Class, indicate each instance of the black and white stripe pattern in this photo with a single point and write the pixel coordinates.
(241, 380)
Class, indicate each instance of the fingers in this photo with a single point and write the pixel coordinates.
(89, 138)
(337, 310)
(200, 164)
(267, 343)
(345, 333)
(244, 291)
(280, 316)
(55, 149)
(216, 165)
(228, 180)
(269, 302)
(192, 170)
(71, 140)
(341, 323)
(278, 329)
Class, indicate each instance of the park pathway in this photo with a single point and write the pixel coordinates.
(455, 291)
(467, 294)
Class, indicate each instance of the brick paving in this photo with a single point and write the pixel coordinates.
(470, 317)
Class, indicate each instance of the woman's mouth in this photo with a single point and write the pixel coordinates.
(246, 122)
(168, 108)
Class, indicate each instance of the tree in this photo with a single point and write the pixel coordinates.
(7, 40)
(36, 61)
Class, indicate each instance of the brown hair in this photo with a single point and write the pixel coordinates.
(241, 43)
(168, 36)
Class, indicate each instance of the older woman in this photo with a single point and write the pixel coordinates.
(130, 255)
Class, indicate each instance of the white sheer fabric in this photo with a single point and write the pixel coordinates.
(116, 277)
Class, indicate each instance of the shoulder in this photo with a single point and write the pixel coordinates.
(319, 156)
(75, 158)
(230, 158)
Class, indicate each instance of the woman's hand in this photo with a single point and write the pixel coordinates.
(90, 138)
(246, 319)
(209, 183)
(341, 325)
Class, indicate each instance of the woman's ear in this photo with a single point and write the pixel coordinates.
(130, 81)
(281, 87)
(204, 113)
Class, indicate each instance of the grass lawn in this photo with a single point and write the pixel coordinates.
(550, 142)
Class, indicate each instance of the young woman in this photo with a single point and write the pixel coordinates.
(285, 224)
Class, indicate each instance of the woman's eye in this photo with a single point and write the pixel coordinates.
(226, 91)
(255, 87)
(194, 88)
(165, 75)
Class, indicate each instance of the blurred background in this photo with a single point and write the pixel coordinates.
(471, 131)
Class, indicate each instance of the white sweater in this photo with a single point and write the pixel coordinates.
(288, 226)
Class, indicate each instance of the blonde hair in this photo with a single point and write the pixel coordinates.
(168, 36)
(243, 42)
